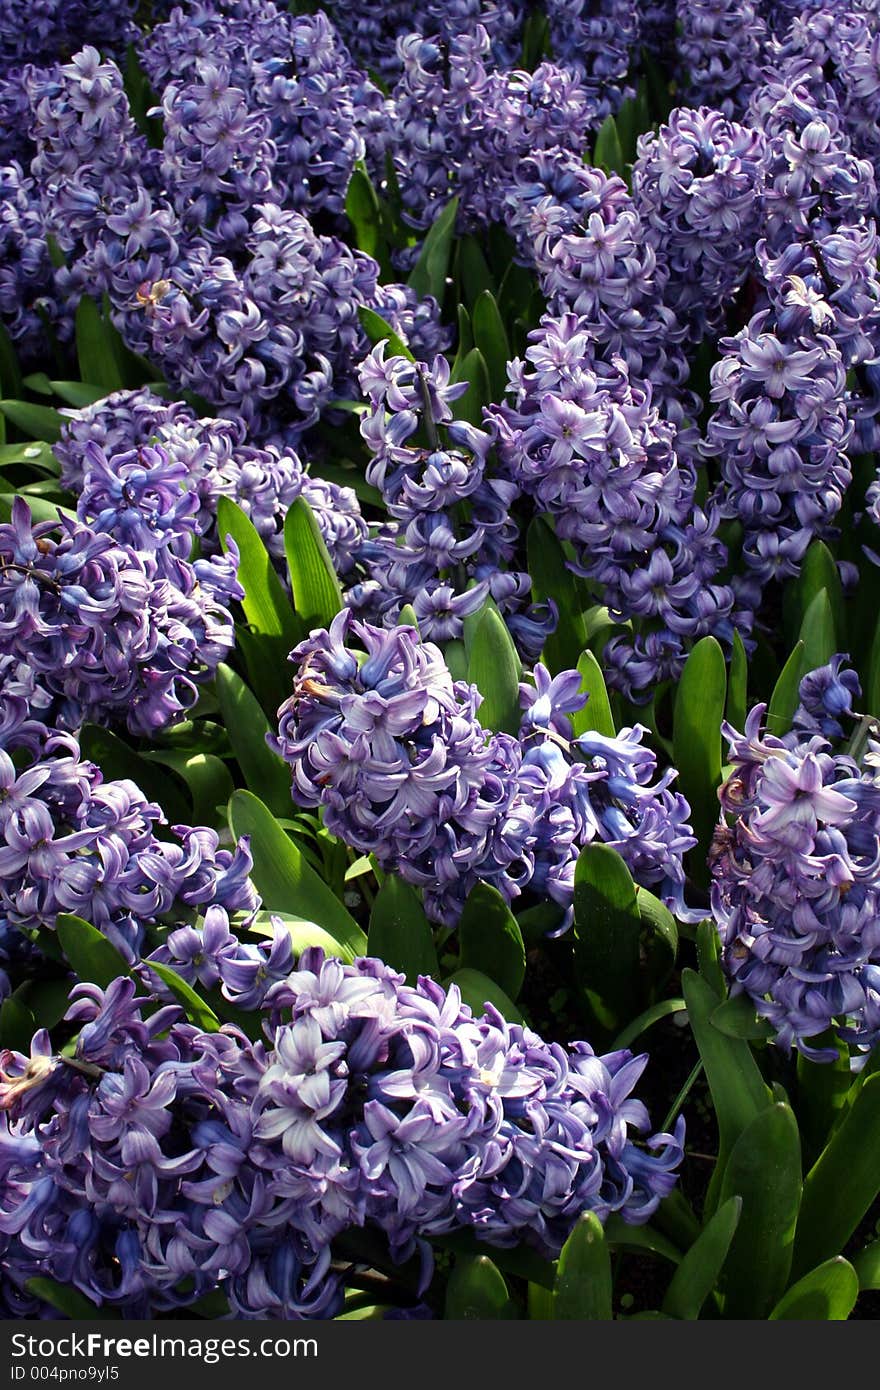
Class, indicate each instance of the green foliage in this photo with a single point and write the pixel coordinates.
(583, 1280)
(490, 940)
(494, 668)
(606, 936)
(399, 932)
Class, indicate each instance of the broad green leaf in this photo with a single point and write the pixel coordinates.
(736, 1018)
(476, 1289)
(607, 153)
(36, 455)
(10, 372)
(407, 617)
(317, 597)
(659, 939)
(95, 350)
(428, 275)
(823, 1091)
(69, 1301)
(36, 421)
(519, 1260)
(41, 508)
(494, 668)
(826, 1294)
(118, 761)
(662, 1009)
(274, 629)
(399, 931)
(842, 1184)
(606, 936)
(477, 990)
(378, 330)
(709, 957)
(697, 1274)
(737, 682)
(77, 393)
(595, 716)
(867, 1266)
(696, 739)
(583, 1277)
(302, 932)
(819, 571)
(739, 1094)
(474, 371)
(817, 632)
(489, 939)
(90, 955)
(764, 1169)
(17, 1023)
(193, 1005)
(285, 881)
(622, 1236)
(264, 772)
(490, 336)
(207, 777)
(552, 579)
(784, 700)
(474, 275)
(362, 210)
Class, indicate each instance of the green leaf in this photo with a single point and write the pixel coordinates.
(207, 777)
(764, 1169)
(823, 1091)
(659, 939)
(595, 716)
(474, 275)
(738, 1091)
(737, 682)
(70, 1302)
(583, 1277)
(867, 1266)
(552, 579)
(826, 1294)
(407, 617)
(10, 372)
(736, 1018)
(842, 1184)
(476, 1289)
(696, 741)
(90, 955)
(697, 1274)
(302, 932)
(472, 369)
(494, 668)
(817, 632)
(489, 939)
(428, 275)
(606, 936)
(77, 393)
(378, 330)
(195, 1008)
(607, 153)
(118, 761)
(95, 347)
(36, 421)
(264, 772)
(17, 1023)
(784, 700)
(819, 571)
(362, 211)
(490, 336)
(399, 931)
(662, 1009)
(621, 1236)
(286, 882)
(274, 628)
(477, 990)
(317, 597)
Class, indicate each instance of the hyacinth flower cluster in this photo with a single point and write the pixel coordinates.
(460, 127)
(720, 45)
(696, 185)
(794, 871)
(210, 269)
(73, 841)
(450, 540)
(584, 440)
(212, 459)
(379, 736)
(595, 258)
(106, 608)
(167, 1161)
